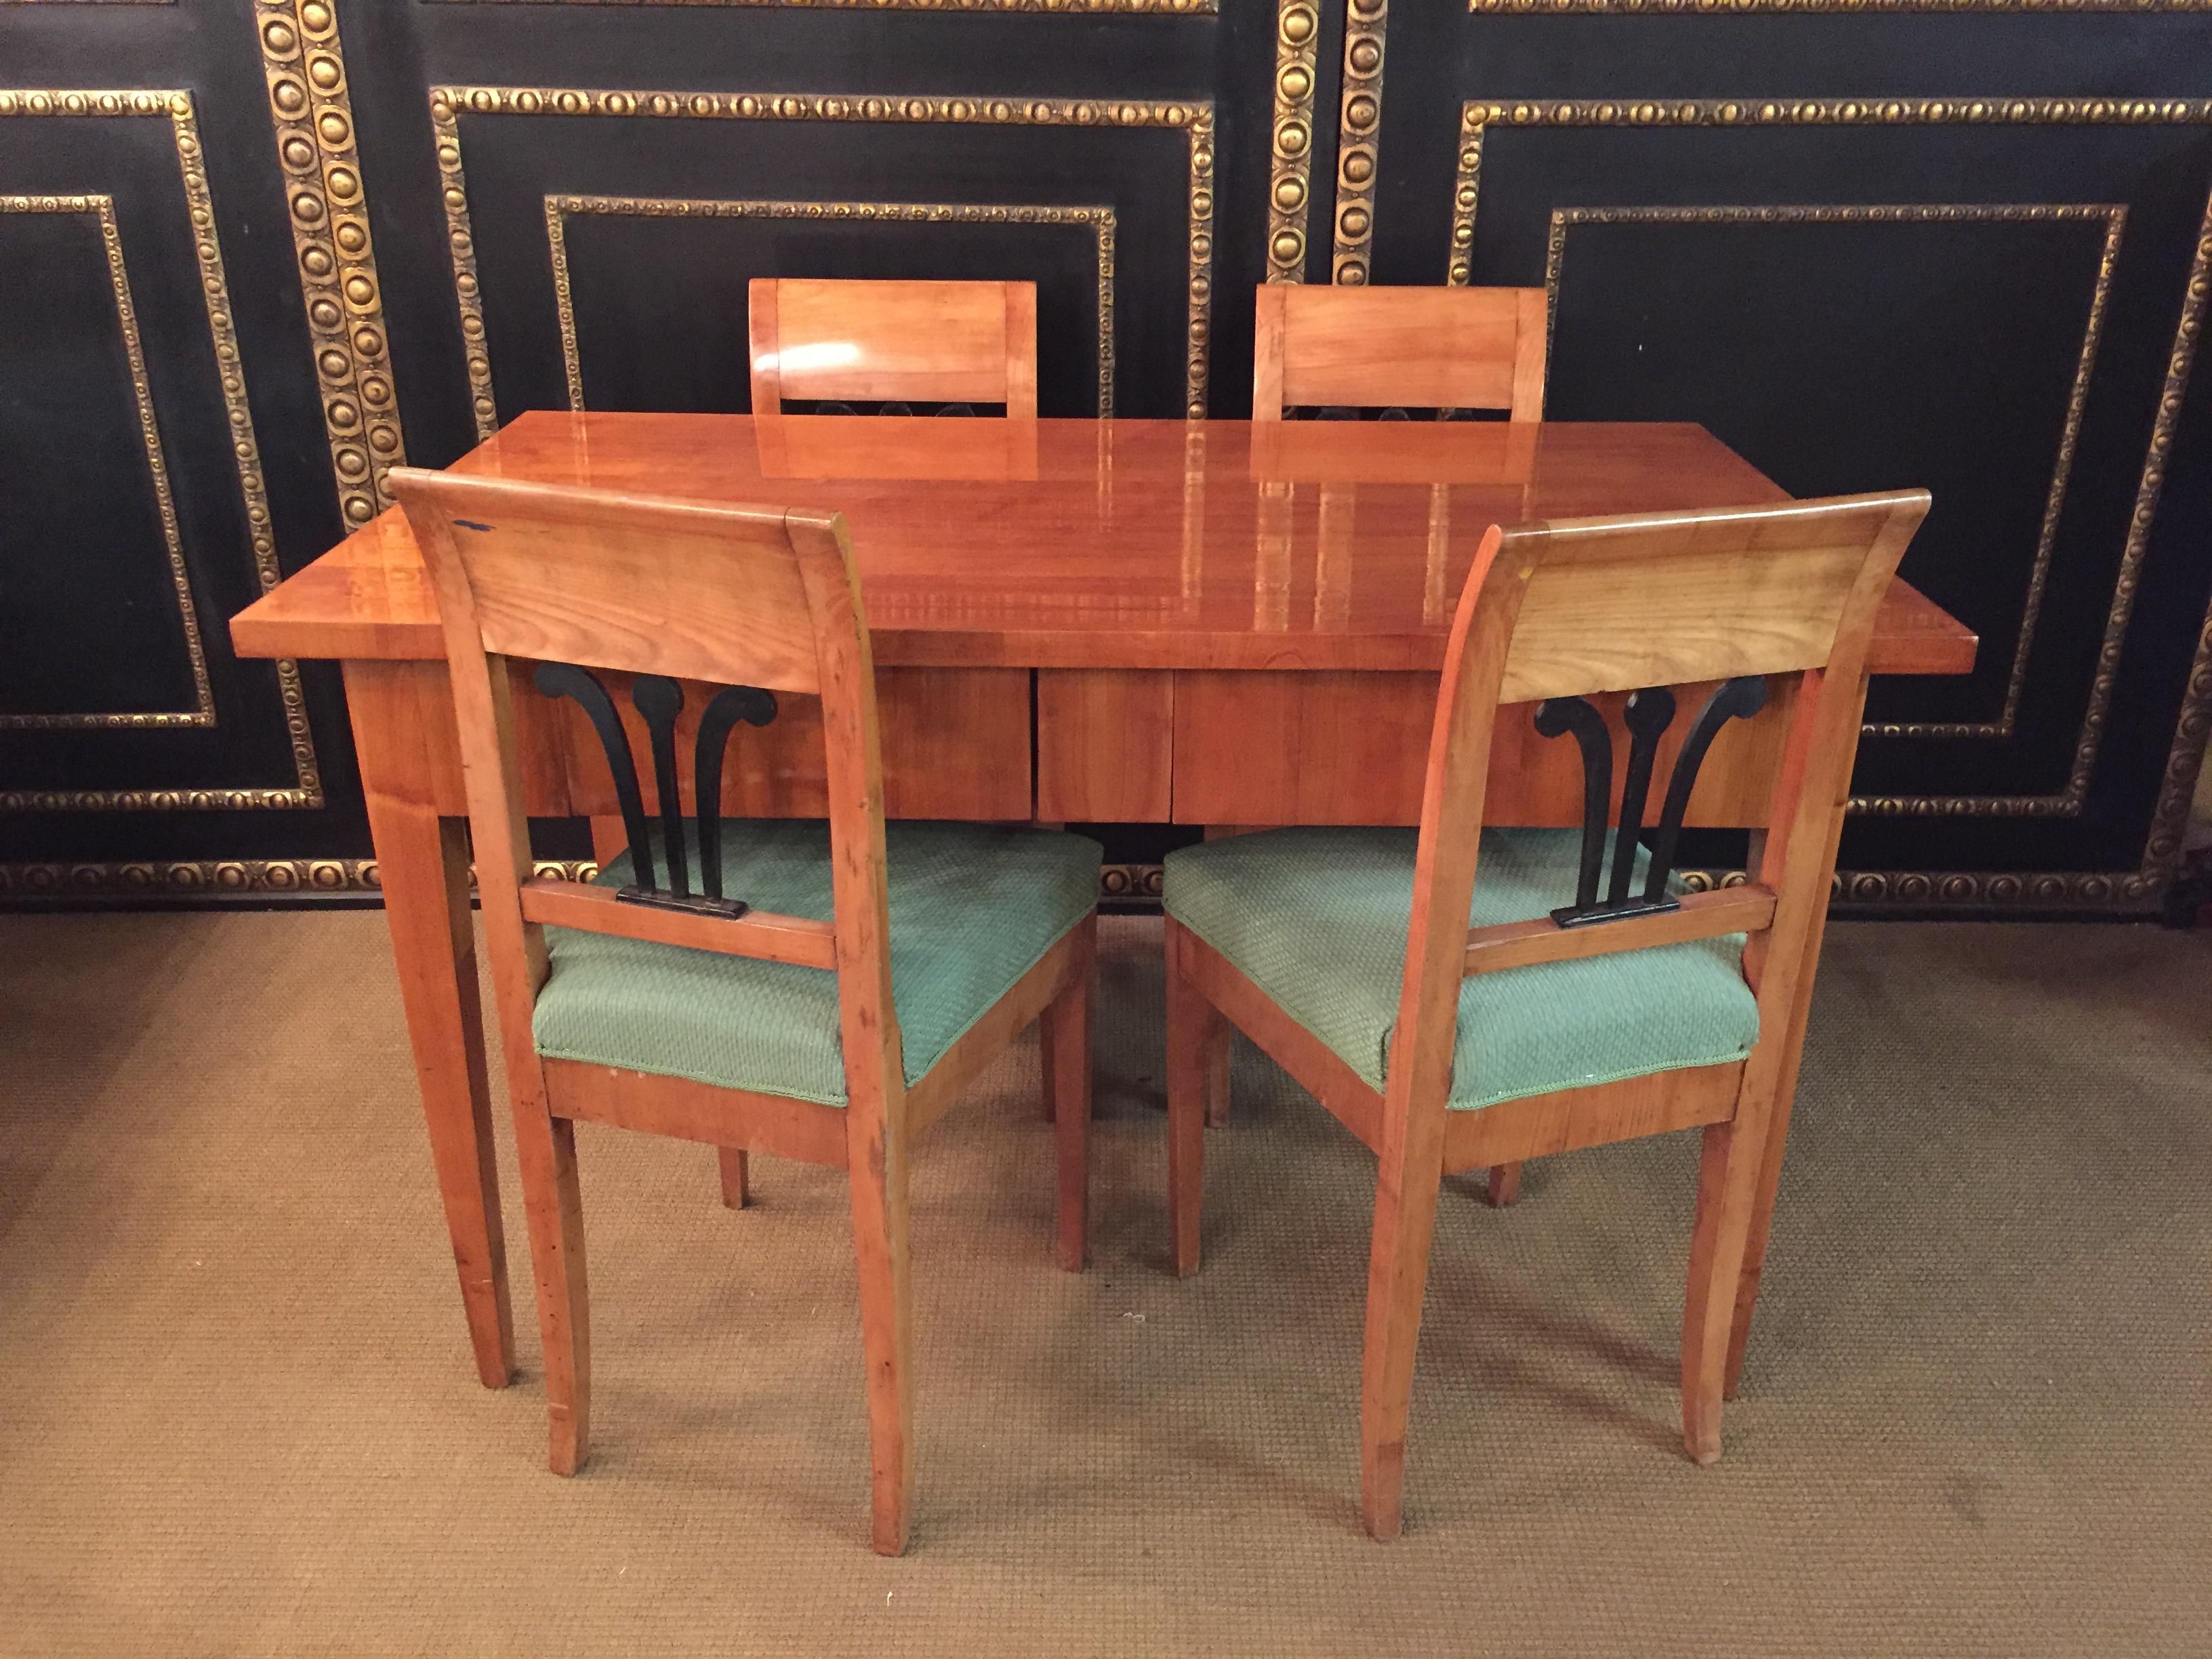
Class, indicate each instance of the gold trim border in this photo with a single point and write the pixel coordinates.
(448, 103)
(1359, 140)
(311, 107)
(221, 880)
(102, 208)
(177, 107)
(1477, 116)
(1747, 7)
(2114, 215)
(558, 207)
(1290, 162)
(1065, 8)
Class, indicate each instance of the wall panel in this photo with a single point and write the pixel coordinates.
(1869, 242)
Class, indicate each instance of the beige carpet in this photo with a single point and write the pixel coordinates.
(237, 1415)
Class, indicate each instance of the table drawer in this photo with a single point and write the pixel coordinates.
(1104, 741)
(1263, 748)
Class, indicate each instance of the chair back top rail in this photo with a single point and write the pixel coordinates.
(647, 584)
(746, 597)
(1435, 348)
(937, 342)
(1556, 610)
(1657, 600)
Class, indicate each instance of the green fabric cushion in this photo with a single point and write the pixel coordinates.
(973, 908)
(1318, 918)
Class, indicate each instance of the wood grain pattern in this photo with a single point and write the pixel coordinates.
(759, 934)
(893, 341)
(512, 566)
(1557, 610)
(648, 584)
(1761, 591)
(1703, 916)
(1265, 749)
(1421, 348)
(1537, 1126)
(958, 742)
(1092, 561)
(1105, 746)
(423, 867)
(997, 547)
(802, 1130)
(1198, 967)
(985, 1039)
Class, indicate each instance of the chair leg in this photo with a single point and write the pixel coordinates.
(1065, 1031)
(1504, 1184)
(545, 1149)
(1049, 1062)
(1397, 1277)
(1198, 1039)
(1754, 1249)
(880, 1242)
(1215, 1074)
(734, 1171)
(1728, 1189)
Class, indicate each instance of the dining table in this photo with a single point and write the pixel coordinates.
(1222, 624)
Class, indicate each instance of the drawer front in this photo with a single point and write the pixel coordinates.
(956, 743)
(1105, 744)
(1353, 748)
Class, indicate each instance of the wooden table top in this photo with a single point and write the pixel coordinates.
(1100, 544)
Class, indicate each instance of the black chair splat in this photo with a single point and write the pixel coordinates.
(659, 700)
(1556, 716)
(1648, 715)
(724, 710)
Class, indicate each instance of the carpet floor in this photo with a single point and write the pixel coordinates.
(237, 1414)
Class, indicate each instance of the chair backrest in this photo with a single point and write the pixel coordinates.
(897, 341)
(755, 599)
(1646, 603)
(1427, 348)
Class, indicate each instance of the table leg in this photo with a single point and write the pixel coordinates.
(423, 864)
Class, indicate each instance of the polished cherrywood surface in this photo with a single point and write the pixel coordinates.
(1564, 609)
(937, 342)
(1420, 348)
(1088, 544)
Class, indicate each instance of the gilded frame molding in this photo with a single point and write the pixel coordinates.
(1359, 140)
(202, 713)
(176, 107)
(1064, 7)
(1194, 118)
(1741, 8)
(2114, 216)
(310, 107)
(223, 879)
(219, 879)
(1477, 116)
(1290, 158)
(559, 208)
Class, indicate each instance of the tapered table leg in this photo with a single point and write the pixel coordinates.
(398, 710)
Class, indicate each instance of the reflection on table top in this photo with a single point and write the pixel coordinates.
(1089, 544)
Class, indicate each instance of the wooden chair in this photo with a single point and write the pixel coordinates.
(1446, 1020)
(758, 1011)
(1370, 348)
(1426, 348)
(935, 342)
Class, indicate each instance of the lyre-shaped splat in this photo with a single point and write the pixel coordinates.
(1648, 715)
(660, 700)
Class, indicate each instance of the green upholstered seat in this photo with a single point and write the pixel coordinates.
(973, 908)
(1318, 918)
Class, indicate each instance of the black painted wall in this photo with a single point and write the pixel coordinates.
(1867, 246)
